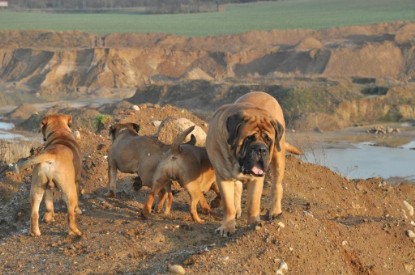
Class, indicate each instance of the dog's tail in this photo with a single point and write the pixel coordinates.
(292, 149)
(27, 162)
(175, 146)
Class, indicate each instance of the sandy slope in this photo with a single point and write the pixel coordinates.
(330, 225)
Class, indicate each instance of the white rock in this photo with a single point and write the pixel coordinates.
(135, 108)
(77, 134)
(410, 234)
(157, 123)
(177, 269)
(281, 225)
(282, 268)
(409, 207)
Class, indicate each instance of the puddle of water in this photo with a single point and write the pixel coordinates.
(363, 160)
(5, 128)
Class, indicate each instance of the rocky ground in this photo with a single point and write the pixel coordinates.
(330, 225)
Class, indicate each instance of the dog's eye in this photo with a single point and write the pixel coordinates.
(267, 139)
(250, 138)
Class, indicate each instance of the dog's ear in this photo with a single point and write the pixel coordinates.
(69, 120)
(136, 127)
(233, 123)
(192, 140)
(112, 131)
(279, 131)
(44, 121)
(43, 124)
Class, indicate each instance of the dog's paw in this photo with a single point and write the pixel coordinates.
(224, 232)
(146, 215)
(35, 233)
(75, 232)
(272, 217)
(78, 210)
(238, 213)
(110, 194)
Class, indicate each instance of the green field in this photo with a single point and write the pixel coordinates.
(284, 14)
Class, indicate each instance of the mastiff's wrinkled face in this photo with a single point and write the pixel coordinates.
(252, 139)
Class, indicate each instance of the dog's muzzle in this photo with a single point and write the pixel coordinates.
(255, 161)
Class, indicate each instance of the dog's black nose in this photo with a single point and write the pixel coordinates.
(260, 149)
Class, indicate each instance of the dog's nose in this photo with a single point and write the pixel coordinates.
(261, 149)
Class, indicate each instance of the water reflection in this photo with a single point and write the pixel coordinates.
(364, 160)
(5, 128)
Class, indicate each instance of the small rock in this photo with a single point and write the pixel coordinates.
(282, 268)
(177, 269)
(135, 108)
(157, 123)
(410, 234)
(409, 267)
(281, 225)
(409, 207)
(77, 134)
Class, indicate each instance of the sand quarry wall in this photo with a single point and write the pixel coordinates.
(73, 61)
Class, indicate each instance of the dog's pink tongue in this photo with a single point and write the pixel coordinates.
(257, 171)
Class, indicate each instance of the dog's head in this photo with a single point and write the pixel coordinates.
(56, 123)
(118, 128)
(252, 139)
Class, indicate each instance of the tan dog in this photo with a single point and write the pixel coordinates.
(132, 153)
(58, 164)
(244, 140)
(190, 166)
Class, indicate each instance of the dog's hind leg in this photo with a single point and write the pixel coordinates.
(157, 186)
(112, 178)
(49, 209)
(37, 190)
(196, 195)
(68, 187)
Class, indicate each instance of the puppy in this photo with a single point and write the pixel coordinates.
(57, 165)
(132, 153)
(190, 166)
(244, 139)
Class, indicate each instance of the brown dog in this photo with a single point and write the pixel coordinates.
(244, 140)
(132, 153)
(58, 164)
(190, 166)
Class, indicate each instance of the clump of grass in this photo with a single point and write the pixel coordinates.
(102, 121)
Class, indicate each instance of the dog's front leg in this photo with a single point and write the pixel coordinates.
(277, 173)
(254, 193)
(227, 191)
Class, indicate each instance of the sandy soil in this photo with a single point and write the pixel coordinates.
(330, 225)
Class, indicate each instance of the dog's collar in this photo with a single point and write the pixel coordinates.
(48, 136)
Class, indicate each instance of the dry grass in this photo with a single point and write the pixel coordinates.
(11, 151)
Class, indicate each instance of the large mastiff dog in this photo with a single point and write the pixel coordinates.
(244, 140)
(57, 165)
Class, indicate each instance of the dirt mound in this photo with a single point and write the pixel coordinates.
(22, 112)
(358, 227)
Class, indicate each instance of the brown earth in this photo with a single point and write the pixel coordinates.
(330, 225)
(314, 74)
